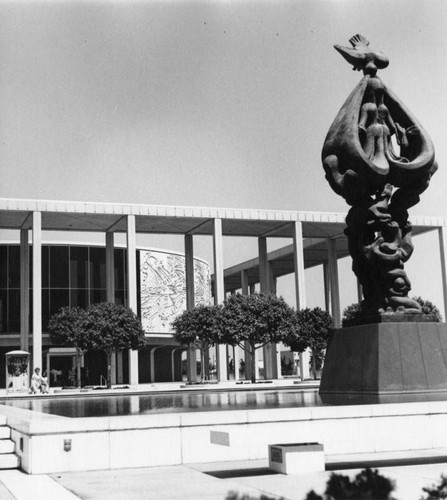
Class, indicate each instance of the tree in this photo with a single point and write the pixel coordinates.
(257, 319)
(66, 328)
(313, 331)
(109, 327)
(429, 308)
(367, 484)
(199, 327)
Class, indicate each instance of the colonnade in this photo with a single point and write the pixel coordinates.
(131, 273)
(267, 283)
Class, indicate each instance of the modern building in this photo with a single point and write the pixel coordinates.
(32, 291)
(74, 275)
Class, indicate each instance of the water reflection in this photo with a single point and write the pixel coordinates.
(100, 406)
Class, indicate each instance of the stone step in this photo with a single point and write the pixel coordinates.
(5, 432)
(9, 461)
(6, 446)
(2, 420)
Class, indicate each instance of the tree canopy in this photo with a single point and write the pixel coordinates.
(257, 320)
(101, 327)
(110, 327)
(198, 326)
(67, 328)
(312, 332)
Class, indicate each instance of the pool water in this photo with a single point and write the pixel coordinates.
(141, 404)
(176, 402)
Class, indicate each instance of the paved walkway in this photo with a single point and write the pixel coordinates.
(201, 481)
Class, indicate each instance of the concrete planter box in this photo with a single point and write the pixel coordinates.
(298, 458)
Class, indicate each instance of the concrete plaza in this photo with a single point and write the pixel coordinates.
(205, 481)
(411, 471)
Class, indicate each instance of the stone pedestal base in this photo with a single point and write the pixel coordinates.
(386, 358)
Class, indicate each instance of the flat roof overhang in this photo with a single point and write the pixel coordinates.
(317, 227)
(160, 219)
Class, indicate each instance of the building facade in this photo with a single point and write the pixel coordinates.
(316, 238)
(74, 275)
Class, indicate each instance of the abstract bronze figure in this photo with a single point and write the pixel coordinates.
(380, 159)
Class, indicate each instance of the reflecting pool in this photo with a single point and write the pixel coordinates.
(207, 400)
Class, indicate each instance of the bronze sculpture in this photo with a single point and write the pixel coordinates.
(380, 159)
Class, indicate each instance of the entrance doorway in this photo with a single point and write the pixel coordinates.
(61, 366)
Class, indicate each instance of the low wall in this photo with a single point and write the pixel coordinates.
(176, 438)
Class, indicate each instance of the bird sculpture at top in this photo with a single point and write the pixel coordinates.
(380, 159)
(362, 57)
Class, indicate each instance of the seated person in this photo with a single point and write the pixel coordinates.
(36, 382)
(44, 383)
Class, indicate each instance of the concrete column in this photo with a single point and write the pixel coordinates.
(24, 290)
(272, 280)
(247, 357)
(110, 287)
(173, 362)
(265, 281)
(244, 282)
(37, 290)
(191, 354)
(132, 290)
(442, 231)
(219, 293)
(335, 290)
(263, 265)
(110, 267)
(300, 288)
(359, 291)
(276, 348)
(327, 288)
(236, 358)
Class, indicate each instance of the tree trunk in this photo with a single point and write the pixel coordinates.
(314, 366)
(206, 365)
(109, 369)
(253, 363)
(202, 365)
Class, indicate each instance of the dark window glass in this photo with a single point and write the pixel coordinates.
(59, 277)
(119, 297)
(45, 308)
(45, 266)
(79, 297)
(78, 267)
(30, 268)
(31, 310)
(14, 266)
(119, 268)
(97, 295)
(138, 286)
(3, 310)
(3, 266)
(58, 298)
(14, 311)
(97, 267)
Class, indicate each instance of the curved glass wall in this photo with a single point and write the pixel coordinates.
(75, 276)
(71, 276)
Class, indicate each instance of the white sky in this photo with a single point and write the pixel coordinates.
(205, 103)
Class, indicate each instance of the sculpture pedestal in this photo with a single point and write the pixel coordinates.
(386, 358)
